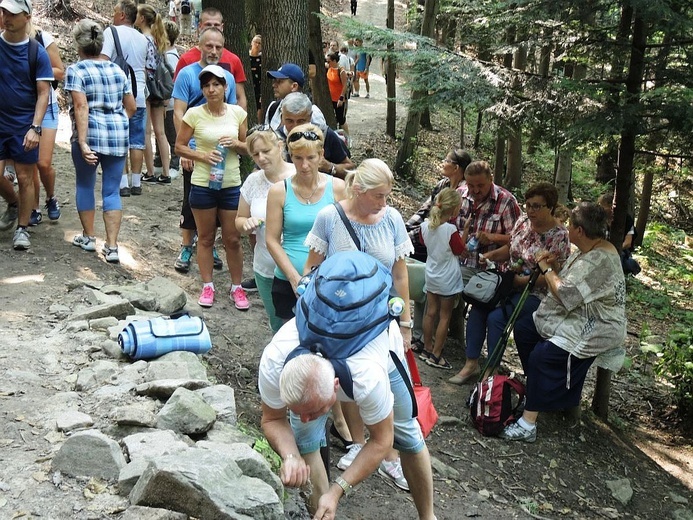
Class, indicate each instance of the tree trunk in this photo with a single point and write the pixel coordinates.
(644, 211)
(462, 139)
(564, 171)
(499, 164)
(477, 133)
(513, 173)
(321, 92)
(391, 86)
(428, 28)
(544, 69)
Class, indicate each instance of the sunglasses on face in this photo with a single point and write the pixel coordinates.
(310, 136)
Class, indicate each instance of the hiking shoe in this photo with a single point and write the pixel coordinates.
(218, 264)
(35, 218)
(21, 241)
(136, 190)
(240, 300)
(173, 173)
(149, 178)
(393, 471)
(10, 174)
(182, 264)
(125, 192)
(163, 180)
(207, 297)
(53, 208)
(85, 242)
(249, 285)
(347, 459)
(111, 254)
(9, 218)
(515, 432)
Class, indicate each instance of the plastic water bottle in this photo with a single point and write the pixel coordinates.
(216, 172)
(303, 283)
(473, 244)
(395, 306)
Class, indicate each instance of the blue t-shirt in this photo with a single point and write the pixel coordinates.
(187, 86)
(17, 93)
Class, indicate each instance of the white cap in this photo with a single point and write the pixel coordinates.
(16, 6)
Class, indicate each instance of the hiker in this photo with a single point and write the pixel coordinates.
(172, 56)
(582, 319)
(287, 79)
(255, 57)
(338, 84)
(363, 65)
(307, 386)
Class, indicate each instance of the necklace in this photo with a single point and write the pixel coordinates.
(307, 199)
(219, 114)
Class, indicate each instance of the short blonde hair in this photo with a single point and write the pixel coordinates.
(370, 174)
(266, 136)
(301, 143)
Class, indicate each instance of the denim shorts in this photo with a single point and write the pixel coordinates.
(202, 197)
(310, 436)
(50, 120)
(12, 147)
(138, 122)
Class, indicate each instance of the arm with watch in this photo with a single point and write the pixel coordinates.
(548, 266)
(33, 135)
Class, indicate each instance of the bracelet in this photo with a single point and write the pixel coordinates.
(407, 324)
(333, 170)
(346, 487)
(341, 98)
(289, 456)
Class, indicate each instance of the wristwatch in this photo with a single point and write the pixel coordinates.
(346, 487)
(36, 129)
(548, 270)
(406, 324)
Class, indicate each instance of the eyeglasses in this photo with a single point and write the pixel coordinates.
(534, 207)
(310, 136)
(449, 161)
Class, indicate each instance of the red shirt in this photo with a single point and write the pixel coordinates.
(227, 58)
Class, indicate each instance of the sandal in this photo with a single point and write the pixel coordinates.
(438, 362)
(417, 346)
(425, 355)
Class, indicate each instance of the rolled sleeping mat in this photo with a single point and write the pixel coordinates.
(158, 336)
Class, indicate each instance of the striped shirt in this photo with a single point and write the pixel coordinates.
(497, 214)
(105, 85)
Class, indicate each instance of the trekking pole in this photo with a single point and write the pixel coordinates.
(494, 359)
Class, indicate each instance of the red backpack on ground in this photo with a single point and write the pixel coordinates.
(495, 402)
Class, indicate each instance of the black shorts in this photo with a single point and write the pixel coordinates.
(283, 298)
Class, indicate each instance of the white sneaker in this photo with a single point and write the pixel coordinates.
(21, 241)
(347, 459)
(393, 471)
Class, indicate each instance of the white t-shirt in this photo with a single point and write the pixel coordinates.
(134, 46)
(369, 370)
(48, 40)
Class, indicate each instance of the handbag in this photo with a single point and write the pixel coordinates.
(423, 409)
(487, 289)
(160, 84)
(147, 339)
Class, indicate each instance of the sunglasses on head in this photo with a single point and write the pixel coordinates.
(258, 128)
(310, 136)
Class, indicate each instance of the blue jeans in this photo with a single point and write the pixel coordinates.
(480, 321)
(112, 167)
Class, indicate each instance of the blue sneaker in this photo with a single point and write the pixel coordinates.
(53, 208)
(182, 263)
(35, 218)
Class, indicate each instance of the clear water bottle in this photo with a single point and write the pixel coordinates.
(395, 306)
(473, 244)
(216, 172)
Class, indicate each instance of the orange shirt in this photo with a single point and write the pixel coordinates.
(335, 83)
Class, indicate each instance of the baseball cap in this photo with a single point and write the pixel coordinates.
(16, 6)
(288, 71)
(213, 69)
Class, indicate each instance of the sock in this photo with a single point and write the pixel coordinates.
(234, 287)
(526, 425)
(136, 180)
(208, 284)
(124, 182)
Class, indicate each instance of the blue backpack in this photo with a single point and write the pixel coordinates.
(344, 307)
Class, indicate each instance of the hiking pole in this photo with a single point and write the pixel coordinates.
(495, 358)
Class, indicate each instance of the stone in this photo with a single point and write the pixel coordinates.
(169, 296)
(140, 299)
(99, 373)
(151, 513)
(77, 326)
(186, 412)
(449, 420)
(103, 323)
(73, 420)
(148, 445)
(89, 453)
(682, 514)
(99, 297)
(130, 474)
(677, 499)
(59, 311)
(176, 365)
(119, 309)
(445, 471)
(164, 388)
(206, 484)
(114, 391)
(112, 349)
(134, 416)
(223, 400)
(621, 490)
(227, 434)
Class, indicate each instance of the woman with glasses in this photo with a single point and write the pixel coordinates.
(265, 149)
(581, 320)
(535, 233)
(102, 103)
(219, 130)
(292, 206)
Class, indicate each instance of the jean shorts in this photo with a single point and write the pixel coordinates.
(138, 122)
(202, 197)
(310, 436)
(50, 120)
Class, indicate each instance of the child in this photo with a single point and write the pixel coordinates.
(443, 275)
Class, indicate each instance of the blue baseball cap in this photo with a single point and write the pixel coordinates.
(288, 71)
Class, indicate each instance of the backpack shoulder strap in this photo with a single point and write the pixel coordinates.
(39, 38)
(33, 61)
(116, 41)
(347, 225)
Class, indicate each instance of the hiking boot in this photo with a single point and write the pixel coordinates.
(53, 208)
(515, 432)
(110, 254)
(218, 264)
(125, 192)
(136, 190)
(9, 218)
(393, 471)
(207, 297)
(21, 241)
(239, 298)
(35, 218)
(85, 242)
(182, 263)
(347, 459)
(249, 285)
